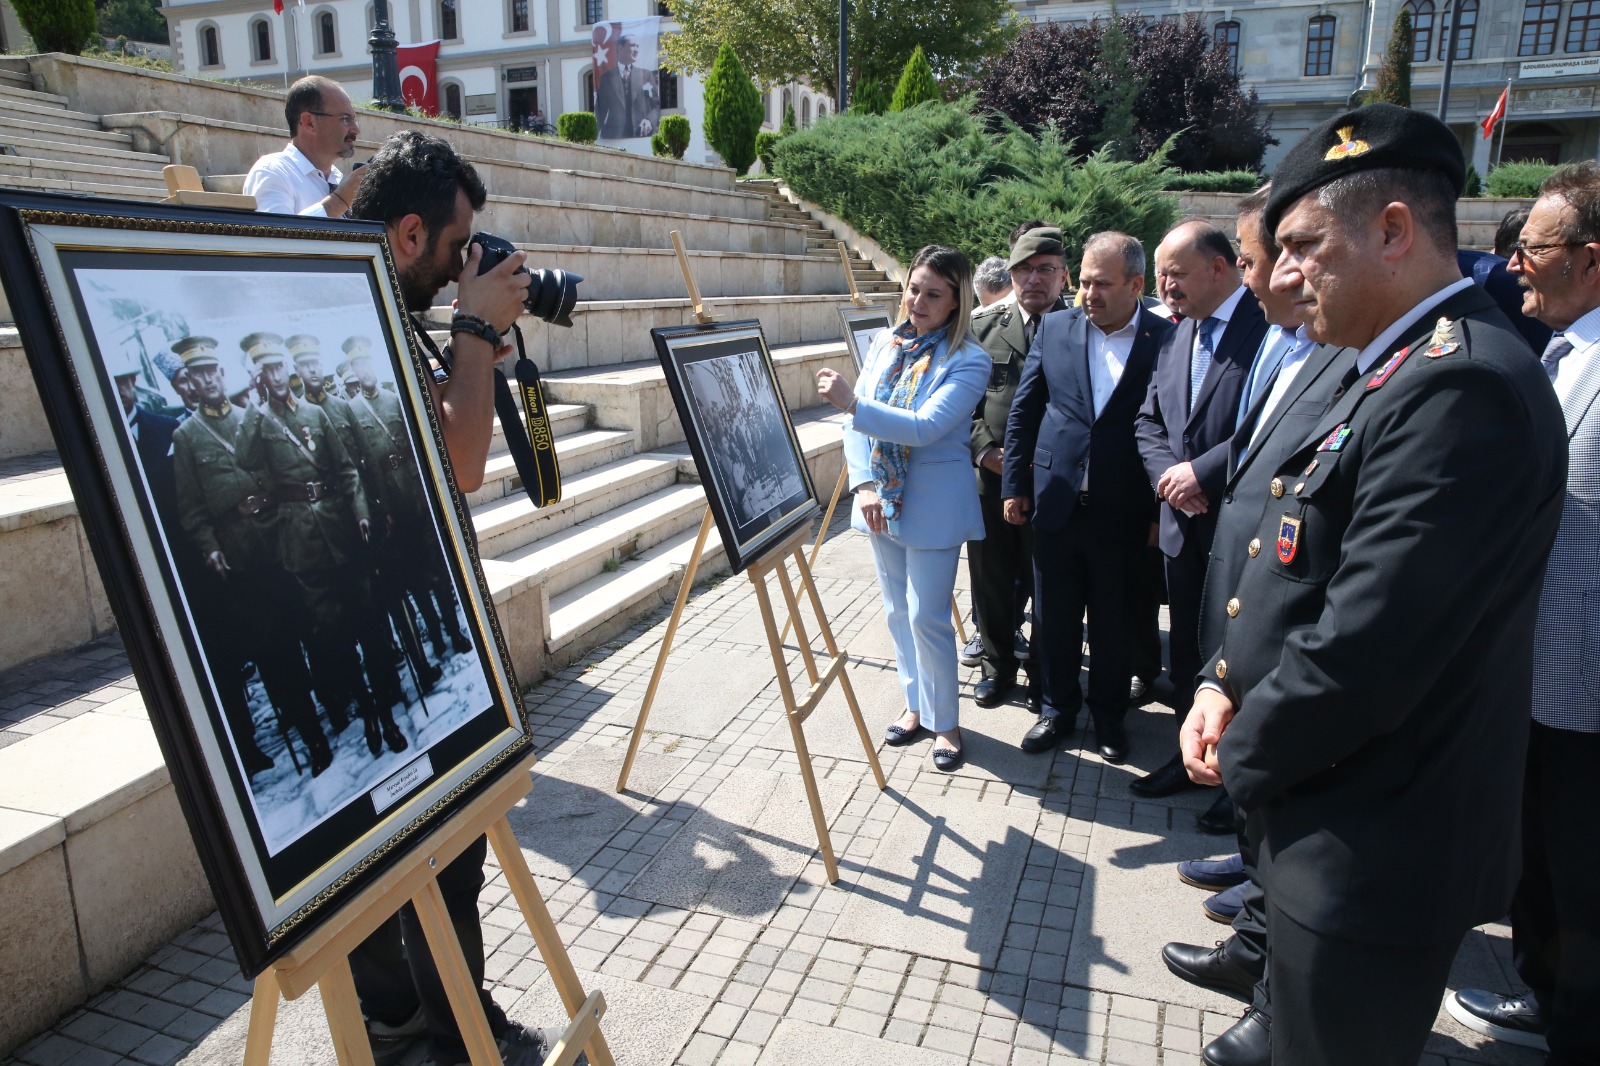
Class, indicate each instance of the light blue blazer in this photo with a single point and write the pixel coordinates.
(940, 505)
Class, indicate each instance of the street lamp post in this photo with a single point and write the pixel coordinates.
(385, 65)
(844, 56)
(1449, 58)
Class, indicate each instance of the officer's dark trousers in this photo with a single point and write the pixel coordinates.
(1000, 567)
(394, 968)
(1149, 592)
(1186, 579)
(1555, 917)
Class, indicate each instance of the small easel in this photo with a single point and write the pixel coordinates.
(795, 711)
(324, 959)
(844, 469)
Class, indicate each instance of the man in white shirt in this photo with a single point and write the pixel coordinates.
(1555, 915)
(302, 179)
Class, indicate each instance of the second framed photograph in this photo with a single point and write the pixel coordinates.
(861, 326)
(254, 453)
(739, 432)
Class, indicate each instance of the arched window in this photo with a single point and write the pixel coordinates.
(593, 11)
(210, 47)
(450, 105)
(664, 9)
(667, 81)
(1583, 26)
(449, 27)
(822, 112)
(1466, 32)
(1225, 37)
(766, 107)
(261, 41)
(788, 102)
(1421, 12)
(805, 113)
(327, 34)
(1539, 21)
(1319, 46)
(588, 89)
(518, 20)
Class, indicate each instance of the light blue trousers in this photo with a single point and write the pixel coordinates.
(916, 584)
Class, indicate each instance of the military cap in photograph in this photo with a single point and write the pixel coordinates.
(197, 351)
(357, 348)
(263, 348)
(1377, 135)
(1047, 240)
(303, 344)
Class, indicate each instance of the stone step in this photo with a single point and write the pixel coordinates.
(71, 151)
(46, 110)
(91, 188)
(66, 173)
(507, 524)
(13, 79)
(548, 222)
(37, 128)
(10, 90)
(576, 452)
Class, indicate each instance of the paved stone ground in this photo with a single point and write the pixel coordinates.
(1008, 914)
(49, 691)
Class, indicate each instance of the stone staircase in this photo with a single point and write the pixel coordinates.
(564, 578)
(869, 279)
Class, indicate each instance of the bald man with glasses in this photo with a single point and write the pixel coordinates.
(304, 179)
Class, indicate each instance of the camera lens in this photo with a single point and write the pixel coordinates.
(552, 293)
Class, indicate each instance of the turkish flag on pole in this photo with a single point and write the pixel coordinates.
(418, 82)
(1498, 113)
(277, 7)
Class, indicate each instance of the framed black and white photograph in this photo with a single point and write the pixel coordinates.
(861, 326)
(255, 458)
(739, 432)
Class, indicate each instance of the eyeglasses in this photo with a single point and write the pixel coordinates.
(345, 117)
(1045, 272)
(1526, 251)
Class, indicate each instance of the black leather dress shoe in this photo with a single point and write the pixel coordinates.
(1112, 740)
(1218, 819)
(1248, 1043)
(1210, 968)
(1035, 696)
(1046, 734)
(1513, 1019)
(992, 691)
(1171, 779)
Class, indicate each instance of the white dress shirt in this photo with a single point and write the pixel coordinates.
(1584, 336)
(1223, 314)
(1293, 360)
(287, 183)
(1108, 358)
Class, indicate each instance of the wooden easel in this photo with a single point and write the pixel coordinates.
(324, 959)
(796, 711)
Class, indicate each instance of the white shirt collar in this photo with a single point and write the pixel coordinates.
(1225, 310)
(307, 167)
(1585, 332)
(1384, 341)
(1128, 330)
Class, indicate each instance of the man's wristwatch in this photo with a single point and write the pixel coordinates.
(462, 322)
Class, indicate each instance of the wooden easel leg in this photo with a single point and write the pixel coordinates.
(810, 587)
(802, 752)
(666, 647)
(955, 614)
(459, 986)
(807, 656)
(545, 935)
(338, 989)
(263, 1017)
(827, 520)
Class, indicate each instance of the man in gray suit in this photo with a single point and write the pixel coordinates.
(1555, 915)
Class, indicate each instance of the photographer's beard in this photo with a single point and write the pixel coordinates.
(421, 281)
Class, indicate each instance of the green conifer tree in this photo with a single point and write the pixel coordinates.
(1394, 79)
(916, 83)
(788, 125)
(57, 25)
(732, 111)
(1118, 92)
(869, 98)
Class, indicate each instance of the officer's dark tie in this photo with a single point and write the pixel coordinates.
(1029, 328)
(1558, 349)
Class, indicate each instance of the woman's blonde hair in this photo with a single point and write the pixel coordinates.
(955, 269)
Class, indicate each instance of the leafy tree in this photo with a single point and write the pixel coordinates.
(916, 83)
(1188, 90)
(57, 25)
(788, 125)
(869, 97)
(956, 35)
(733, 111)
(672, 139)
(580, 127)
(1394, 78)
(137, 20)
(765, 143)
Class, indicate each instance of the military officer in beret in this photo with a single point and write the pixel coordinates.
(1000, 566)
(227, 513)
(323, 523)
(1369, 701)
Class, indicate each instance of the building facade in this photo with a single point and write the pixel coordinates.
(1308, 59)
(500, 63)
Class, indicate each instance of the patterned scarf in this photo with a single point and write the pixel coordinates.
(897, 387)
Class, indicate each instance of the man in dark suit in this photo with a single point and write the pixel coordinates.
(626, 104)
(1072, 468)
(152, 436)
(1000, 566)
(1369, 699)
(1555, 916)
(1189, 416)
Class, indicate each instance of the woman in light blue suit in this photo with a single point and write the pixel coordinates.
(907, 448)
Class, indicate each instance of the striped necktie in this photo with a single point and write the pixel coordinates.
(1200, 362)
(1558, 349)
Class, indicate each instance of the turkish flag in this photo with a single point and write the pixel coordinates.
(277, 7)
(1497, 114)
(419, 84)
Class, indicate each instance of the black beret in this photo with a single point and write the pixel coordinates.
(1377, 135)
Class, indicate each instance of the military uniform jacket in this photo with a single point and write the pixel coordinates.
(222, 506)
(998, 329)
(311, 534)
(383, 435)
(1379, 652)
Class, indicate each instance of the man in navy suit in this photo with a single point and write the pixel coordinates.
(1555, 915)
(1189, 416)
(152, 438)
(1072, 466)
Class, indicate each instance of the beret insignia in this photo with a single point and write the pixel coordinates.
(1348, 147)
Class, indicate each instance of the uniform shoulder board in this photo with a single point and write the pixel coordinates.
(993, 309)
(1446, 339)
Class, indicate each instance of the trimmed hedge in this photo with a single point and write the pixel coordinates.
(1518, 179)
(581, 127)
(937, 174)
(1216, 181)
(765, 143)
(672, 139)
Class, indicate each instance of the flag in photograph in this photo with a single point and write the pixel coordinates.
(419, 82)
(1498, 113)
(627, 96)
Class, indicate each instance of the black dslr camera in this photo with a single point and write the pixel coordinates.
(552, 294)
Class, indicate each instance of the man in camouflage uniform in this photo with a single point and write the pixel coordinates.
(227, 514)
(323, 525)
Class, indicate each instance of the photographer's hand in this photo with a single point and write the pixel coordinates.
(495, 297)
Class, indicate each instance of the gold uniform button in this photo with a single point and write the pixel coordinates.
(1233, 607)
(1255, 547)
(1276, 488)
(1298, 489)
(1222, 669)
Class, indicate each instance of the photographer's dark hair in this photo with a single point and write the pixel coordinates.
(955, 269)
(304, 96)
(414, 174)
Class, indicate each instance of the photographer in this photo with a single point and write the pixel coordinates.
(426, 196)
